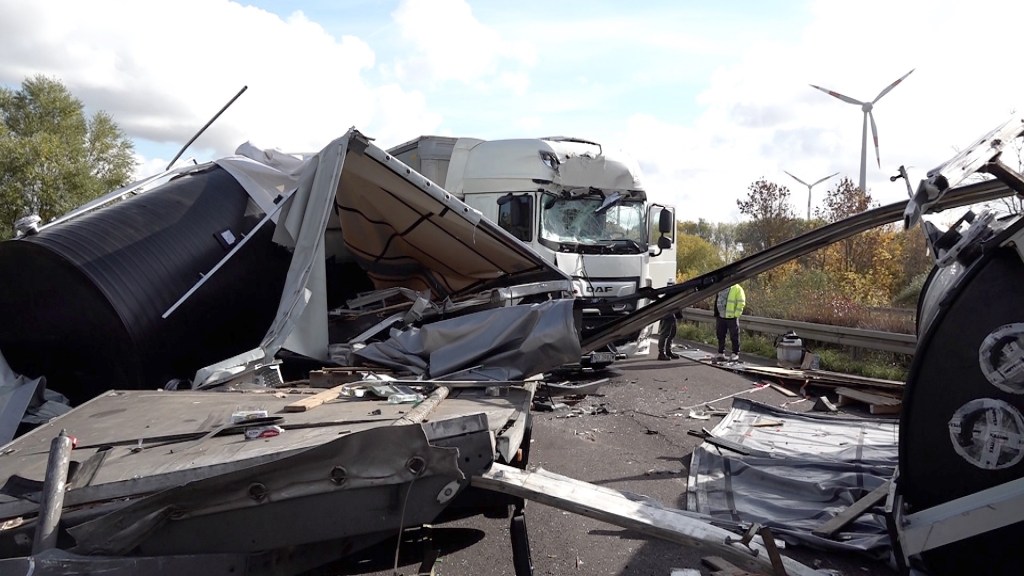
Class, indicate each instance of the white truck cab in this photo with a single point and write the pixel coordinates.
(578, 205)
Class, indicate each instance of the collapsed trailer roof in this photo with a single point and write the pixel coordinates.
(193, 271)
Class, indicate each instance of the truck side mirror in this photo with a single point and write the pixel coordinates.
(665, 222)
(664, 243)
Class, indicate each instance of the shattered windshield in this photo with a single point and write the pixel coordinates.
(577, 221)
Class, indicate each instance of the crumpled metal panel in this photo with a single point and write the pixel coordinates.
(816, 467)
(375, 479)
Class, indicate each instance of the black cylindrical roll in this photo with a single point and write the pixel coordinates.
(81, 302)
(962, 424)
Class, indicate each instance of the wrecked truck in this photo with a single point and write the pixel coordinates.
(238, 454)
(143, 311)
(238, 254)
(155, 468)
(579, 205)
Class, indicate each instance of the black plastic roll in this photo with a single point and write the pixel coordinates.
(81, 302)
(963, 409)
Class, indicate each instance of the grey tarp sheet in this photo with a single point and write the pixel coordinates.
(24, 399)
(509, 343)
(817, 467)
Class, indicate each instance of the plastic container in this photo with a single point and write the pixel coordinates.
(789, 350)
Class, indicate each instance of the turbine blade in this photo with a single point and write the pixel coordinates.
(797, 179)
(823, 179)
(874, 135)
(891, 86)
(838, 95)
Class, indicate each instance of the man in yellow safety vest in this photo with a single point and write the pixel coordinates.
(729, 304)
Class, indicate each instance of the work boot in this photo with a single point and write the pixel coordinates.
(674, 356)
(663, 356)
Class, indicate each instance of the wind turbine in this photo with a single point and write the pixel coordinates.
(866, 107)
(809, 186)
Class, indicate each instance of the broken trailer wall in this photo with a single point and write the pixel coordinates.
(83, 300)
(355, 202)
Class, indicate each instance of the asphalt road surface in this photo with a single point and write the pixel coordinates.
(627, 436)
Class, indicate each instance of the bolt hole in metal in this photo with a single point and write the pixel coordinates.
(339, 475)
(257, 491)
(417, 465)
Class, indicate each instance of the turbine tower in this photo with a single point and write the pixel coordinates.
(809, 186)
(868, 116)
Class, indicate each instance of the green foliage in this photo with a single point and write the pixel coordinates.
(836, 359)
(721, 235)
(884, 366)
(695, 256)
(53, 158)
(909, 295)
(869, 281)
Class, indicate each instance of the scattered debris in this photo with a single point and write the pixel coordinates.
(839, 521)
(756, 388)
(782, 390)
(567, 387)
(710, 438)
(877, 403)
(797, 476)
(547, 405)
(823, 404)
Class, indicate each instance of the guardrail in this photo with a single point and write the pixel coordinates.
(842, 335)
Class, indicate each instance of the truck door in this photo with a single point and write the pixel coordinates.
(662, 261)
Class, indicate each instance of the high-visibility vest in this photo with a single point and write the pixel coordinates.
(730, 303)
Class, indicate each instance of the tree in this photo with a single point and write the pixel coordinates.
(701, 228)
(722, 235)
(53, 158)
(843, 201)
(695, 256)
(772, 218)
(855, 254)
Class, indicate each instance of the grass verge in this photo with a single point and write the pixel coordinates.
(869, 363)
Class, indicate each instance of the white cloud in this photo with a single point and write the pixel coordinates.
(448, 43)
(162, 70)
(759, 116)
(708, 100)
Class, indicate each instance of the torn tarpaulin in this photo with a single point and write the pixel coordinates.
(816, 466)
(508, 343)
(25, 400)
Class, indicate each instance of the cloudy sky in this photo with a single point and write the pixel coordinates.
(708, 98)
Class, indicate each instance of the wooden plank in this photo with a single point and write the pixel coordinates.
(643, 515)
(781, 389)
(852, 512)
(877, 403)
(420, 411)
(315, 400)
(855, 378)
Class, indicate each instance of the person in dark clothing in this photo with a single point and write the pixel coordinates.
(667, 329)
(729, 305)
